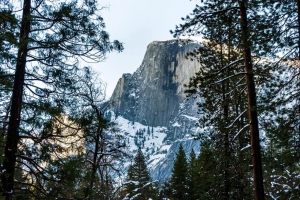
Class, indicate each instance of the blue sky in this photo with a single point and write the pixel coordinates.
(137, 23)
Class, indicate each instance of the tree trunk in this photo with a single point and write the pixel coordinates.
(227, 155)
(12, 138)
(225, 87)
(252, 107)
(240, 173)
(94, 165)
(98, 141)
(298, 12)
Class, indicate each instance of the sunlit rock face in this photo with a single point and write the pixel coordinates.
(153, 96)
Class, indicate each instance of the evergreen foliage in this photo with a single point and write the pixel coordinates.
(209, 174)
(179, 178)
(41, 46)
(105, 147)
(192, 176)
(56, 143)
(220, 84)
(139, 183)
(268, 34)
(226, 86)
(281, 101)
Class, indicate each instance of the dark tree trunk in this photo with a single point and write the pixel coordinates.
(96, 158)
(298, 12)
(225, 87)
(252, 107)
(240, 171)
(227, 155)
(12, 138)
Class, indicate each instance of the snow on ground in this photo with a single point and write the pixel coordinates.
(156, 146)
(150, 139)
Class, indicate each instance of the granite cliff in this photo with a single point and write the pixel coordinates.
(153, 96)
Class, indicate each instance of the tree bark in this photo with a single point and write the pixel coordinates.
(95, 163)
(98, 141)
(225, 87)
(252, 107)
(226, 152)
(12, 138)
(298, 12)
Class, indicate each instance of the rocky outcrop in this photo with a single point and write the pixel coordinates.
(154, 97)
(154, 93)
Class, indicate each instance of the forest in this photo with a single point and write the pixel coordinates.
(56, 137)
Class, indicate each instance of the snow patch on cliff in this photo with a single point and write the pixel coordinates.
(150, 139)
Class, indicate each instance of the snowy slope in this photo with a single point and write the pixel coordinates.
(158, 150)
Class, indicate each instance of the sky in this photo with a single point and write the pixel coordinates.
(136, 23)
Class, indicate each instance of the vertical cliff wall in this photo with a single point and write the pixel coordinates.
(154, 94)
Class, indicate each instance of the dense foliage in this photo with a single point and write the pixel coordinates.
(52, 112)
(139, 184)
(179, 178)
(249, 58)
(56, 141)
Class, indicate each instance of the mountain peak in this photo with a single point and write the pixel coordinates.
(153, 96)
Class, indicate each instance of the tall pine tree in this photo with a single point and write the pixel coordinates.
(225, 23)
(179, 178)
(139, 183)
(281, 100)
(52, 37)
(192, 176)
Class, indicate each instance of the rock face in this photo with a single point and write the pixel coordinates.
(154, 97)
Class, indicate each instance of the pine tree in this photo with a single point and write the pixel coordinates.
(89, 111)
(281, 100)
(192, 176)
(220, 85)
(208, 175)
(165, 190)
(139, 183)
(225, 24)
(53, 36)
(179, 178)
(223, 115)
